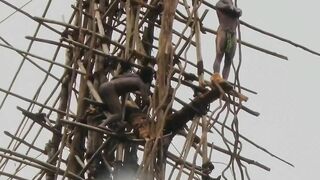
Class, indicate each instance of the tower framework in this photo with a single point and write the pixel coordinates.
(191, 121)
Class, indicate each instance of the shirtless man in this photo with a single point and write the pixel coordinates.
(120, 85)
(226, 39)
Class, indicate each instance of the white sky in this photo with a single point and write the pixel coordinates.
(288, 90)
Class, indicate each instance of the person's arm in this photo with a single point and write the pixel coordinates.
(233, 12)
(229, 8)
(144, 90)
(237, 12)
(223, 5)
(125, 75)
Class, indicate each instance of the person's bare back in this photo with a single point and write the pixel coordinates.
(120, 85)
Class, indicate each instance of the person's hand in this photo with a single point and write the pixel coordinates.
(239, 11)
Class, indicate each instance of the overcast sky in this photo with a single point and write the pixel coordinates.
(288, 91)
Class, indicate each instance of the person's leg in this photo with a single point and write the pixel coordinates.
(220, 46)
(229, 54)
(110, 97)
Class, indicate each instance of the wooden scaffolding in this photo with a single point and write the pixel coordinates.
(105, 38)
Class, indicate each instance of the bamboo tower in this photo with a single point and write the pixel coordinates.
(105, 38)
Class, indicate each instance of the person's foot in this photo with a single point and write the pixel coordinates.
(216, 78)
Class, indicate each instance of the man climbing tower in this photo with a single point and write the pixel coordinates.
(226, 39)
(120, 85)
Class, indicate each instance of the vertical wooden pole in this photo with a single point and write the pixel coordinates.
(155, 159)
(54, 143)
(77, 145)
(200, 71)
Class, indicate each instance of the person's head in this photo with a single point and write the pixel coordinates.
(227, 1)
(134, 113)
(138, 120)
(141, 124)
(146, 74)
